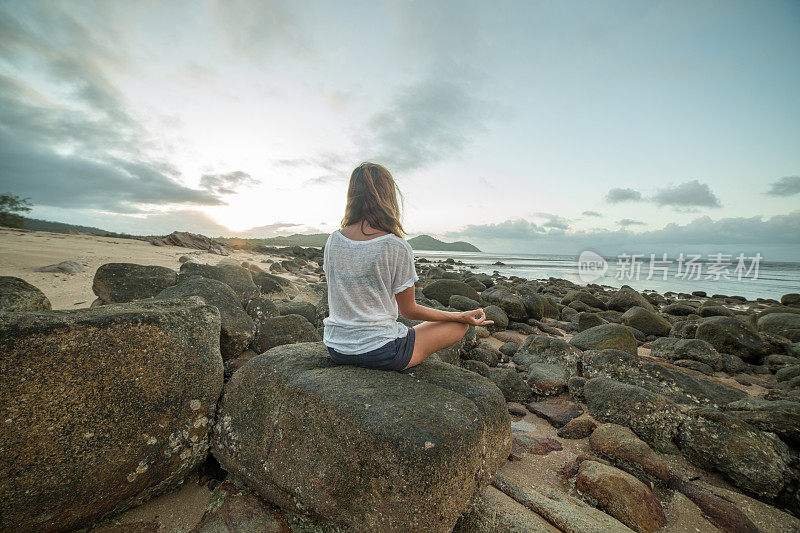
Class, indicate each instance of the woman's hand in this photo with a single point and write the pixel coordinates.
(474, 318)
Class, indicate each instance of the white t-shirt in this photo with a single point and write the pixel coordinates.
(363, 277)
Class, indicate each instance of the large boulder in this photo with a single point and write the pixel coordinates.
(783, 324)
(653, 417)
(621, 495)
(626, 297)
(549, 350)
(792, 298)
(103, 408)
(606, 336)
(312, 293)
(237, 329)
(674, 349)
(647, 322)
(781, 417)
(287, 329)
(730, 335)
(17, 295)
(754, 461)
(125, 282)
(274, 287)
(510, 383)
(538, 305)
(236, 277)
(368, 449)
(442, 289)
(507, 301)
(583, 296)
(678, 386)
(295, 307)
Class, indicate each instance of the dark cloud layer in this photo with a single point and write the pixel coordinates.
(779, 230)
(618, 195)
(688, 194)
(226, 183)
(591, 214)
(786, 186)
(84, 150)
(625, 222)
(426, 122)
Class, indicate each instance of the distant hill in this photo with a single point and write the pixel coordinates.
(426, 242)
(36, 224)
(316, 240)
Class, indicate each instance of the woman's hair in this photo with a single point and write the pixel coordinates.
(372, 197)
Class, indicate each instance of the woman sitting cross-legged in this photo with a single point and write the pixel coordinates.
(370, 272)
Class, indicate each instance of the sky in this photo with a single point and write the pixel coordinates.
(528, 127)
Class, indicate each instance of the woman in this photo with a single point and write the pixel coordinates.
(370, 273)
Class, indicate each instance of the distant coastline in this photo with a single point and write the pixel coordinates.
(317, 240)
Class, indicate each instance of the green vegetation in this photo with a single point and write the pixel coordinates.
(10, 207)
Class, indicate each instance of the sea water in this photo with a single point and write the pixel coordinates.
(751, 277)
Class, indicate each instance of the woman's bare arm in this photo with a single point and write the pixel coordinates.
(411, 310)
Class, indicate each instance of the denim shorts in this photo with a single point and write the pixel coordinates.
(394, 355)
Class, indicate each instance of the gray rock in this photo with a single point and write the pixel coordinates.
(511, 384)
(626, 297)
(783, 324)
(309, 436)
(486, 357)
(647, 322)
(125, 282)
(237, 278)
(589, 320)
(237, 328)
(672, 349)
(731, 335)
(463, 303)
(499, 317)
(545, 379)
(583, 296)
(312, 294)
(750, 459)
(302, 308)
(507, 301)
(442, 289)
(612, 336)
(781, 417)
(679, 309)
(653, 417)
(791, 299)
(549, 350)
(274, 287)
(104, 408)
(678, 386)
(17, 295)
(280, 330)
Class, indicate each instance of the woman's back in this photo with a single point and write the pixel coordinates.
(363, 278)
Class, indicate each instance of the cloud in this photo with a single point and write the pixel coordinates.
(618, 195)
(630, 222)
(67, 139)
(552, 221)
(329, 167)
(226, 183)
(591, 214)
(688, 194)
(780, 231)
(427, 122)
(786, 186)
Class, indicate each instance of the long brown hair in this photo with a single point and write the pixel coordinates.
(372, 197)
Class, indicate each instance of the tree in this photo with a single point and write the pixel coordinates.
(10, 205)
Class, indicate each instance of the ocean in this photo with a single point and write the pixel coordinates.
(747, 276)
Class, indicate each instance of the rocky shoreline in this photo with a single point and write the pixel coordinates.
(583, 408)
